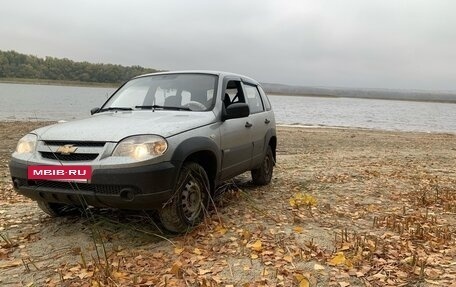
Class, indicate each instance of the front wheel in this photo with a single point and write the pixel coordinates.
(190, 200)
(263, 174)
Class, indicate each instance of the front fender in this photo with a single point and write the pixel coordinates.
(193, 145)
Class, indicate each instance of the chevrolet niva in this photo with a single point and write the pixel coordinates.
(162, 141)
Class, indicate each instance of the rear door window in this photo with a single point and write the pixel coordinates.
(253, 99)
(267, 104)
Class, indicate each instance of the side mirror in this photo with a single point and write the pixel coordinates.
(236, 110)
(94, 111)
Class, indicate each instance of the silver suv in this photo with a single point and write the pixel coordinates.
(162, 141)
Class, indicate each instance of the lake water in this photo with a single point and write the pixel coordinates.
(43, 102)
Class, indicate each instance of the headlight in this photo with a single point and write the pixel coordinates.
(26, 144)
(141, 147)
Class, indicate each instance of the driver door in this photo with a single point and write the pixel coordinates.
(236, 143)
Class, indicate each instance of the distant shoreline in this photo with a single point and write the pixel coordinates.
(364, 98)
(274, 93)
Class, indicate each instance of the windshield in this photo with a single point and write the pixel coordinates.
(194, 92)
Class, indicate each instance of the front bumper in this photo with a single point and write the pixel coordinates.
(143, 187)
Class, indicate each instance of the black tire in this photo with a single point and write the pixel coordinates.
(263, 174)
(189, 203)
(57, 209)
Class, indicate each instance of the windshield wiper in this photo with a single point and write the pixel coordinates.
(115, 109)
(153, 107)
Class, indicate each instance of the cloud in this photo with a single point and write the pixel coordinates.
(385, 44)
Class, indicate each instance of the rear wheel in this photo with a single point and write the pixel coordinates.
(56, 209)
(263, 174)
(190, 200)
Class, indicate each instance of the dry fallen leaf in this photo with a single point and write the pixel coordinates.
(176, 268)
(203, 271)
(298, 229)
(119, 275)
(257, 246)
(338, 259)
(220, 229)
(379, 276)
(178, 250)
(345, 246)
(302, 280)
(288, 258)
(302, 199)
(84, 274)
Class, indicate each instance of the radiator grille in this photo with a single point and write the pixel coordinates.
(80, 150)
(69, 157)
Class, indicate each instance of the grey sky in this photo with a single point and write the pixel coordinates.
(363, 43)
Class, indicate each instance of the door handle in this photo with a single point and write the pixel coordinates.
(248, 125)
(266, 121)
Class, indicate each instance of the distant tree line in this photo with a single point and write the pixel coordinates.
(17, 65)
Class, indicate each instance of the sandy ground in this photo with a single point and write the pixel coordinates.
(346, 208)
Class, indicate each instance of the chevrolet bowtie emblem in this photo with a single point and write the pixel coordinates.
(67, 149)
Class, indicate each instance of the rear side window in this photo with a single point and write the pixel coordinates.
(267, 104)
(253, 99)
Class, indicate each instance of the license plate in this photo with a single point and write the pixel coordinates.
(80, 173)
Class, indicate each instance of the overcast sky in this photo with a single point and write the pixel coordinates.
(375, 44)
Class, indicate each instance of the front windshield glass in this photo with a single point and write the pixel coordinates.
(194, 92)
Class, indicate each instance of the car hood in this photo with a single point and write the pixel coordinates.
(114, 126)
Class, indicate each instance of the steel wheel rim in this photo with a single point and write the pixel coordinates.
(191, 200)
(267, 165)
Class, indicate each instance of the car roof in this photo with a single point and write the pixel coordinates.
(217, 73)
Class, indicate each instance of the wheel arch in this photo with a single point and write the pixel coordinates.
(271, 140)
(208, 161)
(202, 151)
(273, 144)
